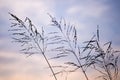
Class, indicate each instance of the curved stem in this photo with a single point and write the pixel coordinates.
(76, 57)
(50, 66)
(107, 70)
(42, 51)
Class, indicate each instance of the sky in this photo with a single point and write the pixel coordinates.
(84, 14)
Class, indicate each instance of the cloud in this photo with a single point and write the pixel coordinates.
(88, 9)
(4, 60)
(36, 10)
(73, 10)
(34, 67)
(6, 73)
(14, 66)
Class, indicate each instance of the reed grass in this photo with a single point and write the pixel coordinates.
(102, 58)
(25, 33)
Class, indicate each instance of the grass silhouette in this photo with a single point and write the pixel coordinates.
(102, 58)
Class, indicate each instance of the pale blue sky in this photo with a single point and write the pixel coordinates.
(85, 14)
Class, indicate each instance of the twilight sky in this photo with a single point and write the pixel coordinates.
(85, 14)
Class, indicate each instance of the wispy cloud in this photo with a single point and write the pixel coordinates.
(88, 9)
(14, 66)
(37, 10)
